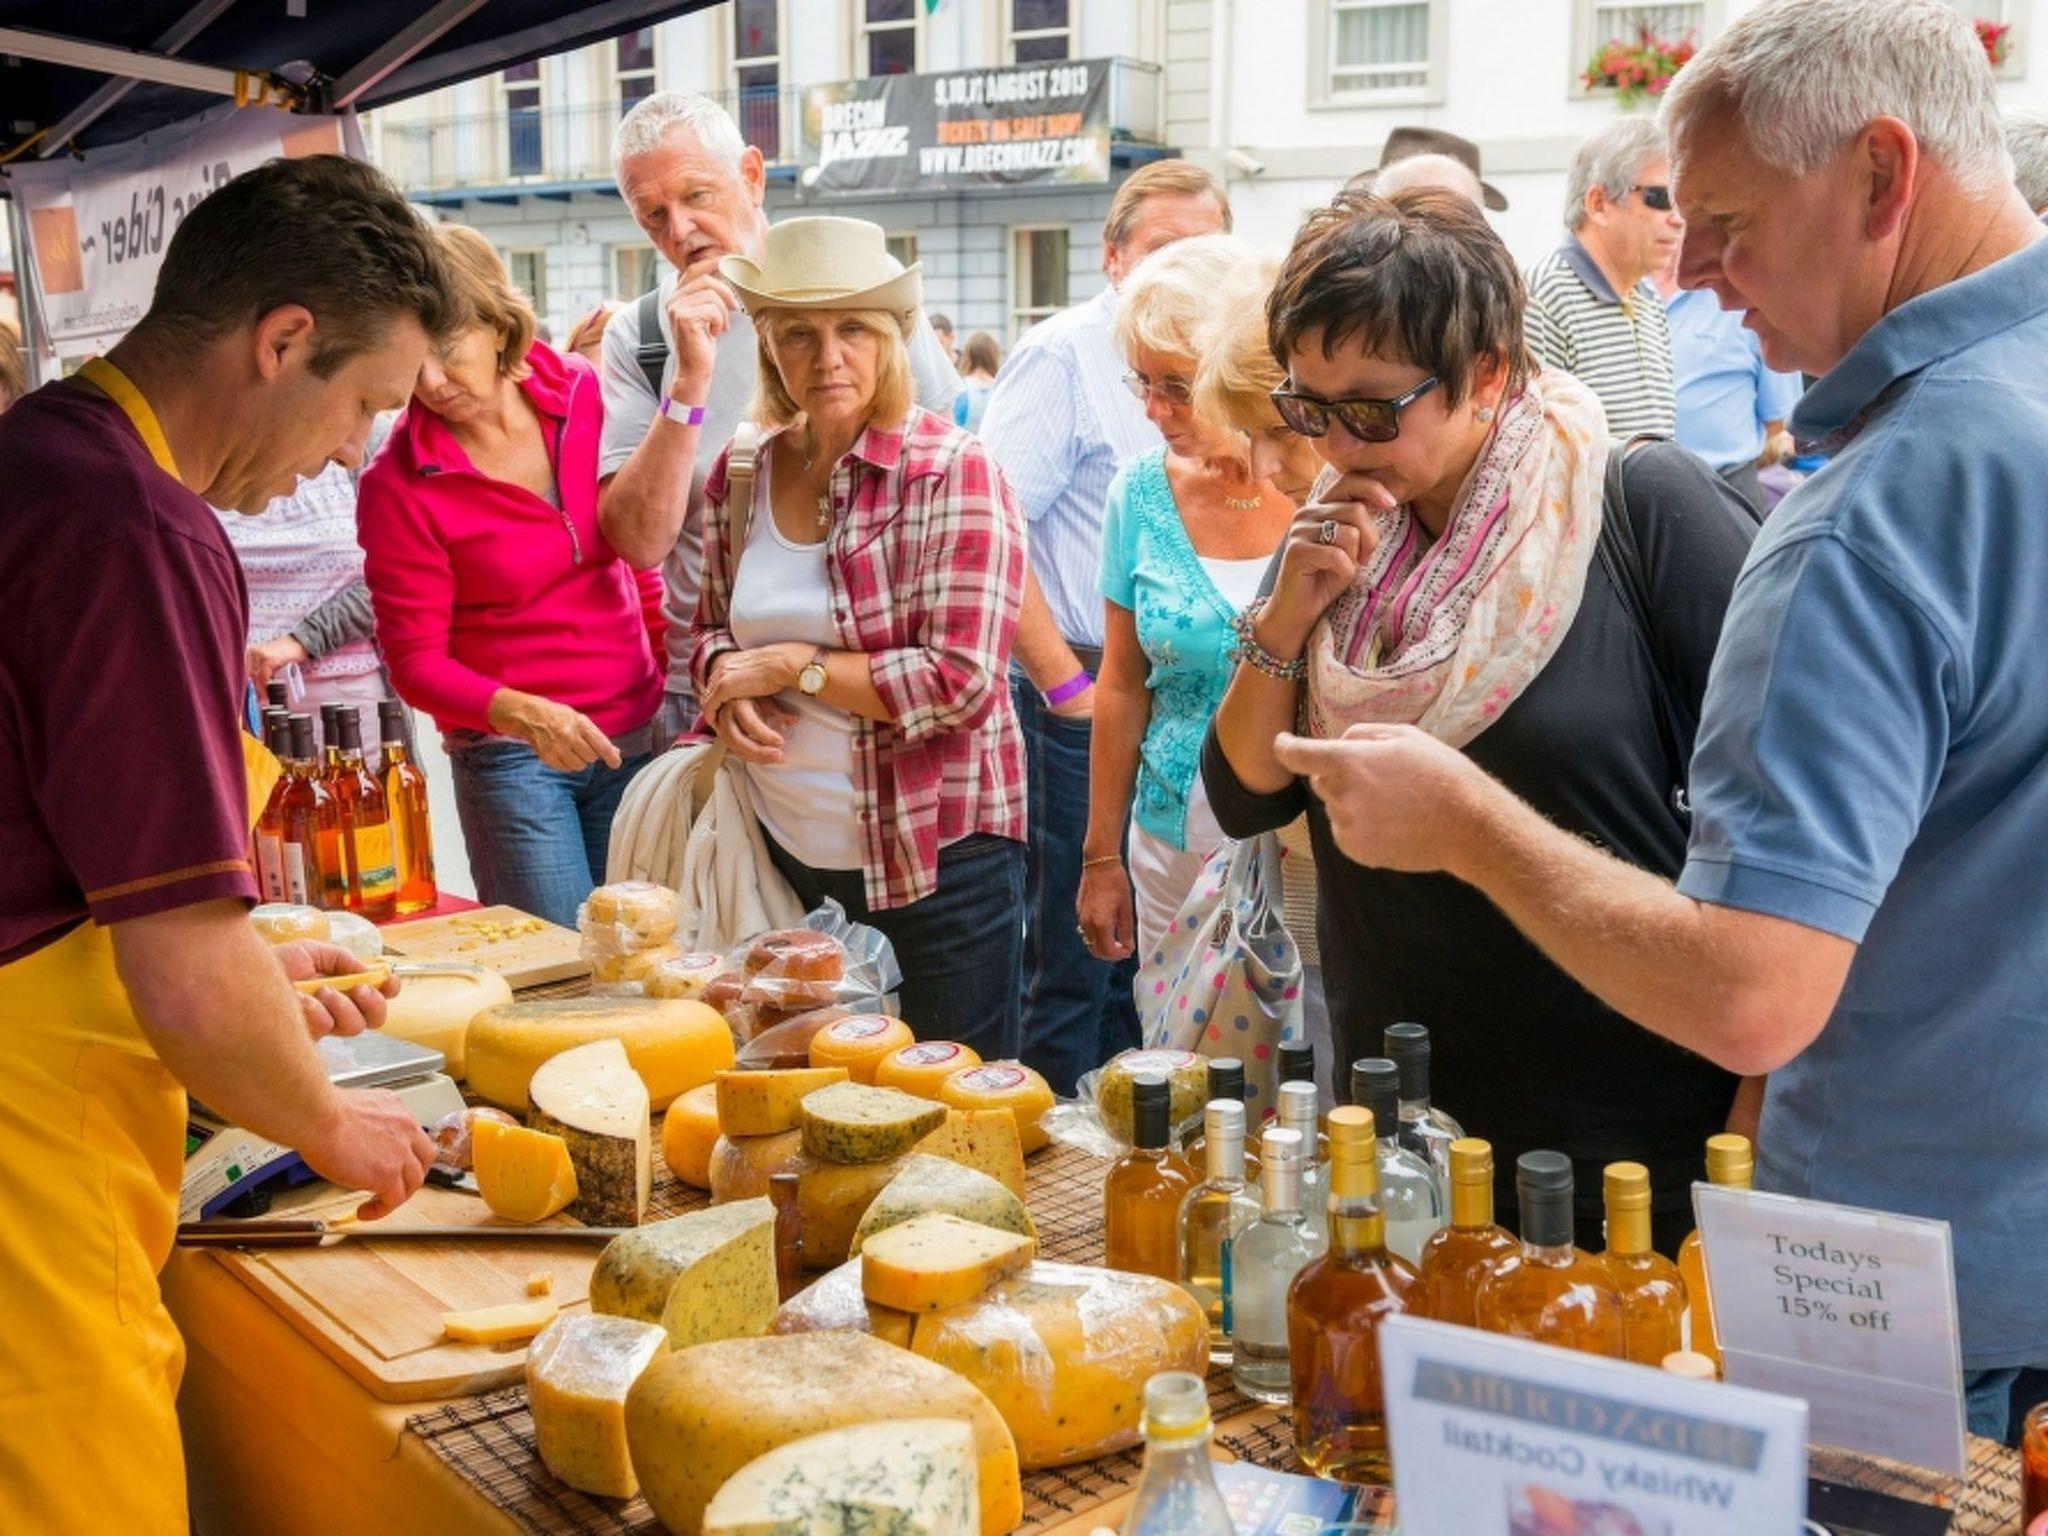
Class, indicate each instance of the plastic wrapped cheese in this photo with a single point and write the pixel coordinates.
(627, 973)
(859, 1043)
(577, 1375)
(835, 1303)
(1003, 1085)
(1186, 1074)
(281, 922)
(920, 1068)
(628, 915)
(788, 1044)
(356, 934)
(683, 975)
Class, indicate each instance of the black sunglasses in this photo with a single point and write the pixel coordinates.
(1655, 196)
(1370, 421)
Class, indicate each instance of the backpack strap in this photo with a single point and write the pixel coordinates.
(742, 459)
(652, 352)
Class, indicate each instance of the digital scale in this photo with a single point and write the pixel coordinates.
(226, 1166)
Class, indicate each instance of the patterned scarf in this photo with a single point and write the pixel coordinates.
(1447, 635)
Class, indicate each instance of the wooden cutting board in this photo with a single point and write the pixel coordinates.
(552, 953)
(375, 1308)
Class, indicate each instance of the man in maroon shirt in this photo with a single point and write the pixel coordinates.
(293, 305)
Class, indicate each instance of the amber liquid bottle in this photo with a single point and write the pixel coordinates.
(269, 838)
(1334, 1311)
(1142, 1196)
(1549, 1291)
(1457, 1257)
(1731, 1162)
(303, 806)
(405, 797)
(373, 877)
(1652, 1295)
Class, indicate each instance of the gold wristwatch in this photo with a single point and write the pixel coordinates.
(812, 679)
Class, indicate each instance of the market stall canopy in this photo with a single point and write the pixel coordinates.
(76, 75)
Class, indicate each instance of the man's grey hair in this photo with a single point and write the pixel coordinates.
(643, 128)
(1442, 171)
(1610, 160)
(2026, 137)
(1804, 77)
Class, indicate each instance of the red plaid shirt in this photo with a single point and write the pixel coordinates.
(926, 564)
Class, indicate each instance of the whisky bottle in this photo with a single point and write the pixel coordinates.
(373, 876)
(1226, 1081)
(1547, 1290)
(1334, 1311)
(405, 797)
(1410, 1198)
(1211, 1217)
(1652, 1295)
(1177, 1493)
(1142, 1195)
(269, 837)
(1730, 1162)
(304, 804)
(1265, 1259)
(1425, 1130)
(1457, 1257)
(1298, 1112)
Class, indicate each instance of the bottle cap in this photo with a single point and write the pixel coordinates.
(351, 723)
(1298, 1106)
(277, 693)
(1280, 1163)
(277, 733)
(1472, 1161)
(302, 736)
(330, 725)
(1298, 1063)
(1223, 1128)
(1626, 1187)
(1408, 1045)
(1226, 1078)
(1176, 1406)
(1376, 1085)
(1351, 1126)
(1280, 1145)
(1691, 1365)
(1150, 1098)
(1730, 1159)
(1543, 1187)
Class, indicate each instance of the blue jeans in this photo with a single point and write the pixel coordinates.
(536, 836)
(959, 947)
(1078, 1011)
(1996, 1402)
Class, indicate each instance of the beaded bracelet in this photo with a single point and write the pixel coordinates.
(1249, 649)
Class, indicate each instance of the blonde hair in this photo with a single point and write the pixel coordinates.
(1166, 302)
(895, 391)
(1234, 384)
(479, 280)
(1162, 178)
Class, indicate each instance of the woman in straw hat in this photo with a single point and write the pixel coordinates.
(855, 629)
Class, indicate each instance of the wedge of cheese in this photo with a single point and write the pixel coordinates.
(577, 1375)
(769, 1103)
(854, 1123)
(591, 1097)
(983, 1139)
(673, 1044)
(928, 1184)
(859, 1043)
(834, 1303)
(502, 1324)
(1003, 1085)
(688, 1133)
(707, 1275)
(699, 1415)
(938, 1261)
(913, 1477)
(523, 1175)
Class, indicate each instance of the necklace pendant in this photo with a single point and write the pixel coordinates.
(824, 513)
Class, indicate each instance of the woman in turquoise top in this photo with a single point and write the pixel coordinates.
(1188, 533)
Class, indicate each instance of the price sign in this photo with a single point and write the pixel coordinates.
(1852, 1310)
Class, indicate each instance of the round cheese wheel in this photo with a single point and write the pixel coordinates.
(683, 975)
(1003, 1085)
(1186, 1074)
(858, 1043)
(638, 908)
(673, 1044)
(688, 1133)
(919, 1069)
(280, 922)
(434, 1009)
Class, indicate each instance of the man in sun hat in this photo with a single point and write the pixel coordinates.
(1429, 157)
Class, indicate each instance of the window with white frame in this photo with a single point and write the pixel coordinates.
(887, 37)
(529, 270)
(633, 67)
(2009, 14)
(757, 73)
(521, 90)
(633, 270)
(902, 246)
(1038, 276)
(1387, 50)
(1040, 30)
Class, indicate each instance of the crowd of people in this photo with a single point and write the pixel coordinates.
(1666, 810)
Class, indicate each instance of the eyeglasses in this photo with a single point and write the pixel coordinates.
(1655, 196)
(1174, 391)
(1370, 421)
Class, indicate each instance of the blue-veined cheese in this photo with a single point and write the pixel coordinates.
(915, 1477)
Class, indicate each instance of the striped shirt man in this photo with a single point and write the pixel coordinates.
(1617, 345)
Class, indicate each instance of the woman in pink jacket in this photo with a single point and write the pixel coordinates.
(501, 610)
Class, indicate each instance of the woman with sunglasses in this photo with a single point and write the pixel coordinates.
(1446, 575)
(1187, 533)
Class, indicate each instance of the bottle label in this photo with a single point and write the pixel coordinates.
(296, 886)
(375, 868)
(1223, 1282)
(270, 866)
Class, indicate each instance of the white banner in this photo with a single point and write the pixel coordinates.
(98, 227)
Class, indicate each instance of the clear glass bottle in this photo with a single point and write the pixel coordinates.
(1300, 1112)
(1549, 1290)
(1457, 1257)
(1334, 1311)
(1177, 1493)
(1652, 1294)
(1731, 1161)
(405, 797)
(1141, 1196)
(1425, 1129)
(1211, 1217)
(1226, 1081)
(1267, 1256)
(1410, 1197)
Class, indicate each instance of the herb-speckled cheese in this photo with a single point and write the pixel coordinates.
(769, 1103)
(853, 1123)
(914, 1477)
(591, 1097)
(577, 1375)
(707, 1275)
(985, 1139)
(938, 1261)
(928, 1184)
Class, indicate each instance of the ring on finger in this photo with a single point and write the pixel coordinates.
(1328, 532)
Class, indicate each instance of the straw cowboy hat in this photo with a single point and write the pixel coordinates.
(825, 263)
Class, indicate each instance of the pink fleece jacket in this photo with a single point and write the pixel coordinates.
(479, 584)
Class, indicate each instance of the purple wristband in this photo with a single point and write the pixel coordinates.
(1072, 688)
(689, 415)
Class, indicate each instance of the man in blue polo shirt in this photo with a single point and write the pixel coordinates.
(1864, 908)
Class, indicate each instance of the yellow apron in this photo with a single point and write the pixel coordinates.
(92, 1139)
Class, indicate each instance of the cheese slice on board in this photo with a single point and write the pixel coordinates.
(919, 1069)
(689, 1130)
(769, 1103)
(502, 1324)
(591, 1097)
(1003, 1085)
(703, 1276)
(938, 1261)
(929, 1184)
(577, 1375)
(673, 1044)
(853, 1123)
(984, 1139)
(523, 1175)
(915, 1477)
(859, 1043)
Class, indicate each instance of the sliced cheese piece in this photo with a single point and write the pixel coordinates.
(591, 1097)
(502, 1324)
(929, 1184)
(1186, 1074)
(936, 1261)
(707, 1275)
(919, 1069)
(1077, 1345)
(688, 1133)
(741, 1165)
(914, 1477)
(577, 1375)
(835, 1303)
(674, 1044)
(523, 1175)
(769, 1103)
(541, 1283)
(854, 1123)
(434, 1009)
(984, 1139)
(859, 1043)
(699, 1415)
(1003, 1085)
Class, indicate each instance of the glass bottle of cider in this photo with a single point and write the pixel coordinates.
(373, 877)
(405, 798)
(1141, 1197)
(1730, 1162)
(1457, 1257)
(302, 812)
